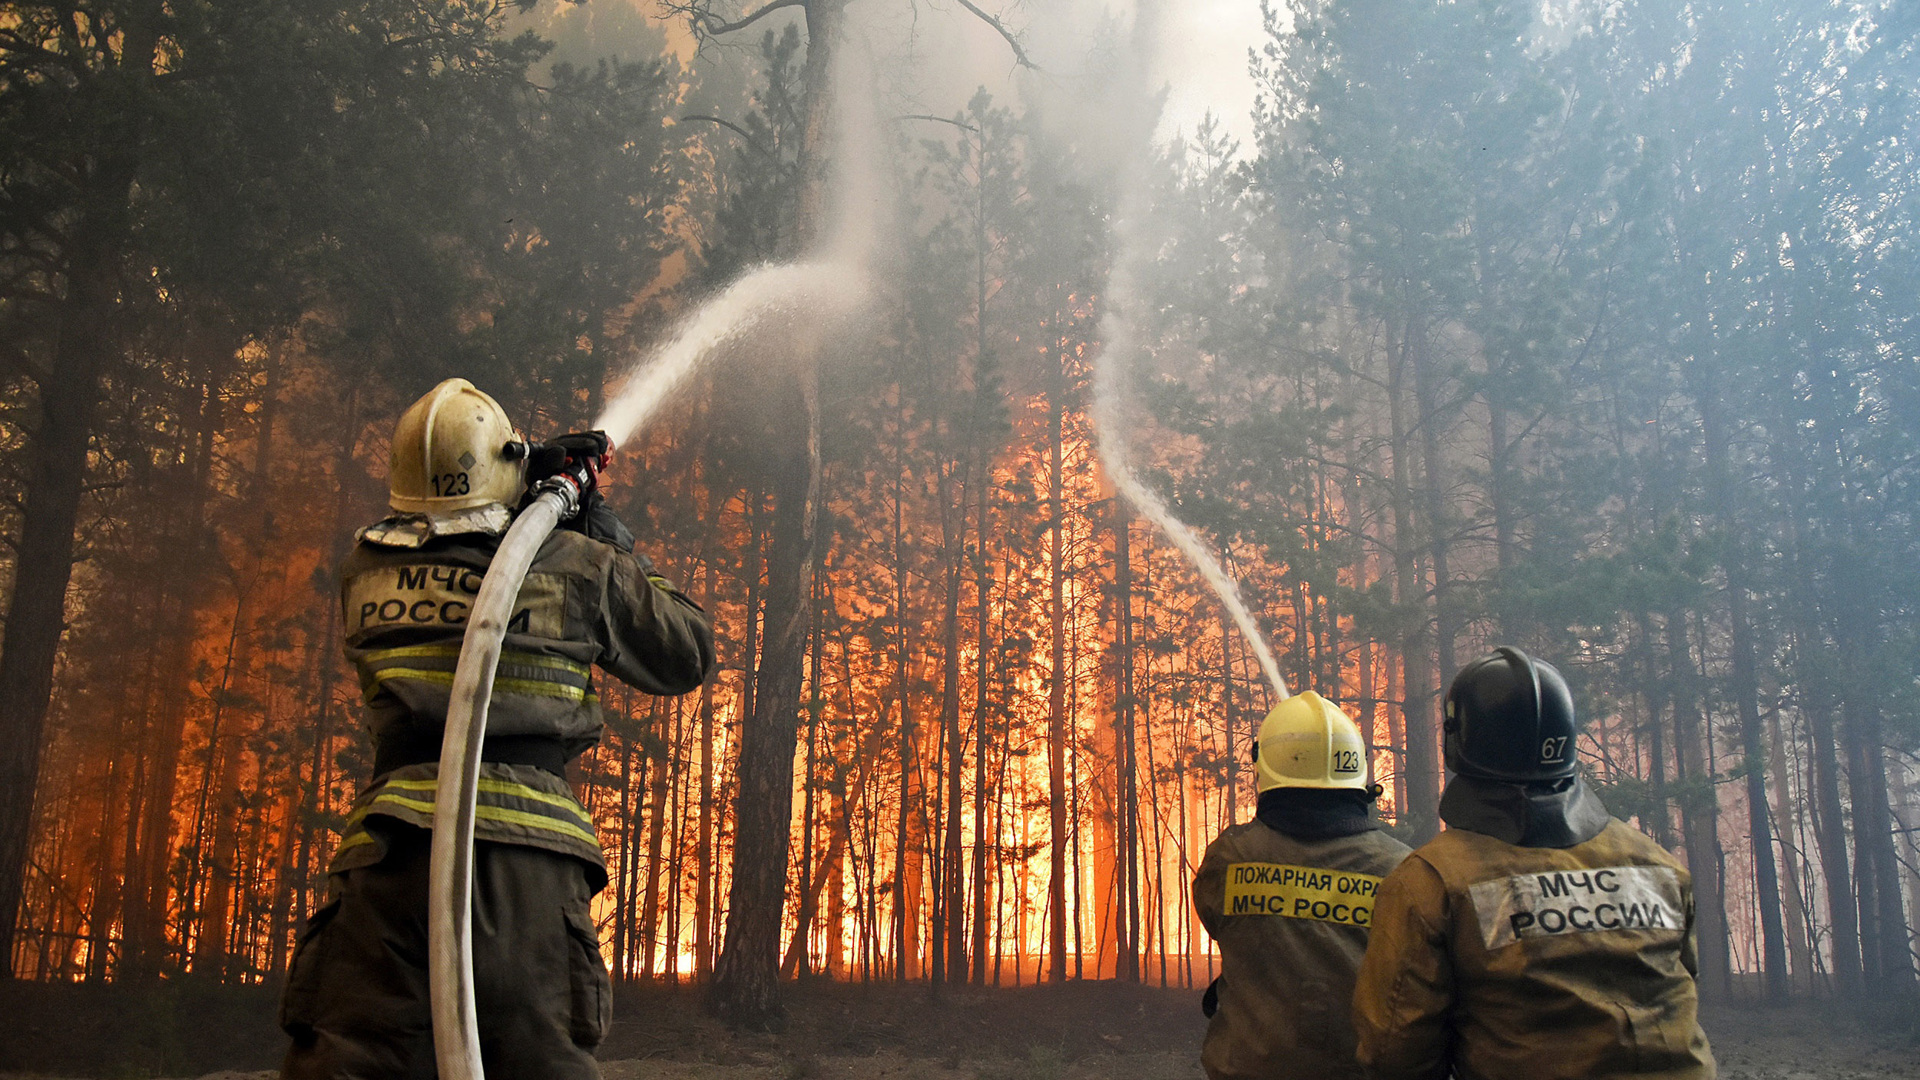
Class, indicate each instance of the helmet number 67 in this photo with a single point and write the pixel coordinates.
(1554, 748)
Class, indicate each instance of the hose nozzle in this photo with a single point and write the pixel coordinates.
(570, 465)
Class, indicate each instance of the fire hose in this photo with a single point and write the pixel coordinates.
(456, 1031)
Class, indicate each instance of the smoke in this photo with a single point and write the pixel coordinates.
(787, 303)
(784, 305)
(1120, 330)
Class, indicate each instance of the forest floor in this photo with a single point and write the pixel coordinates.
(1081, 1031)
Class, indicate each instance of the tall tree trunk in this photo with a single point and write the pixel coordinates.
(1126, 779)
(1427, 393)
(1421, 763)
(1907, 821)
(703, 888)
(983, 590)
(1816, 698)
(811, 782)
(623, 930)
(1698, 808)
(660, 764)
(85, 344)
(36, 618)
(798, 950)
(1653, 686)
(1890, 961)
(834, 877)
(147, 914)
(1500, 496)
(1745, 682)
(227, 749)
(905, 867)
(746, 990)
(1057, 824)
(1831, 831)
(1799, 944)
(980, 460)
(953, 880)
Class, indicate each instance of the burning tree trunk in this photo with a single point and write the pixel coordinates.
(745, 988)
(36, 619)
(1126, 798)
(982, 886)
(1057, 687)
(951, 944)
(703, 895)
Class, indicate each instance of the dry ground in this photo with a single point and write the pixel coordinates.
(1086, 1031)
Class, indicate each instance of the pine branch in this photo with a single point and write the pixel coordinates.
(1019, 54)
(706, 24)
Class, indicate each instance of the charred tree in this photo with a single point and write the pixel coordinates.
(745, 990)
(86, 342)
(1057, 684)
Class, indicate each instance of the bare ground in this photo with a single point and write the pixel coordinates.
(1081, 1031)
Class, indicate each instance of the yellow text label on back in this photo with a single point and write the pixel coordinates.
(441, 597)
(1301, 892)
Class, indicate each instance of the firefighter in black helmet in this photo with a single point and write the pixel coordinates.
(356, 1000)
(1537, 938)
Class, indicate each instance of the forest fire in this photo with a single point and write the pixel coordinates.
(1517, 375)
(647, 774)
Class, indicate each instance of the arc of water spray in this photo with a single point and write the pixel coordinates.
(815, 293)
(813, 290)
(1116, 330)
(1119, 330)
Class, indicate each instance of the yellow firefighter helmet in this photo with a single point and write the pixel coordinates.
(1307, 742)
(450, 453)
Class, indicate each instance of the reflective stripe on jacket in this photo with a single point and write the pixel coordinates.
(406, 595)
(516, 804)
(583, 603)
(1290, 916)
(517, 672)
(1501, 962)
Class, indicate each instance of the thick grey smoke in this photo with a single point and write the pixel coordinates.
(1175, 47)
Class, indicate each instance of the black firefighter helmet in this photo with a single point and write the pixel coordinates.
(1510, 717)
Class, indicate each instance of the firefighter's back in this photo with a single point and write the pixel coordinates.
(1291, 924)
(1288, 898)
(1568, 962)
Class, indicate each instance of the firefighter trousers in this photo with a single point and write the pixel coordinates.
(356, 1000)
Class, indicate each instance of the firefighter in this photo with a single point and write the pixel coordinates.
(356, 1000)
(1289, 896)
(1537, 937)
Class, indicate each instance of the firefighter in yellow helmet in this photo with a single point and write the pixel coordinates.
(356, 1000)
(1289, 897)
(1537, 938)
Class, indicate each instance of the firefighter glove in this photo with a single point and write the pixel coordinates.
(581, 453)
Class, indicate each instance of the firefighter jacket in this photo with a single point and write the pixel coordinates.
(406, 591)
(1497, 961)
(1290, 912)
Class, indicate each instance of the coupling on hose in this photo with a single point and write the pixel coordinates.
(572, 487)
